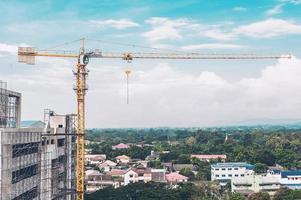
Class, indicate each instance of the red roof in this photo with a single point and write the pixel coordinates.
(175, 177)
(121, 146)
(122, 157)
(116, 172)
(209, 156)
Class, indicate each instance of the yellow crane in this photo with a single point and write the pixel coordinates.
(27, 55)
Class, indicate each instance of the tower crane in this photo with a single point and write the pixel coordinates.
(28, 54)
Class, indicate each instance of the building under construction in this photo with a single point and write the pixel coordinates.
(36, 162)
(10, 107)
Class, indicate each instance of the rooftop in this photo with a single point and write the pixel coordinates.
(32, 124)
(209, 156)
(121, 146)
(122, 157)
(175, 177)
(285, 174)
(233, 164)
(116, 172)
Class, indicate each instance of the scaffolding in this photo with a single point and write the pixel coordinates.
(10, 105)
(3, 104)
(38, 163)
(71, 160)
(63, 167)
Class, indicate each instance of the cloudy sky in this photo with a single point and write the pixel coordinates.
(162, 92)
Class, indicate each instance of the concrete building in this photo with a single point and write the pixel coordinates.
(224, 172)
(10, 107)
(20, 153)
(58, 156)
(35, 163)
(291, 179)
(256, 183)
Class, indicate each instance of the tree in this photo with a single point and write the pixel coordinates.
(187, 172)
(237, 196)
(265, 156)
(183, 159)
(287, 194)
(156, 164)
(260, 168)
(259, 196)
(191, 140)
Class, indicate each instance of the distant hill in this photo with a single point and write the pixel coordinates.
(268, 121)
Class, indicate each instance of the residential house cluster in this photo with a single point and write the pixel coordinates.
(124, 170)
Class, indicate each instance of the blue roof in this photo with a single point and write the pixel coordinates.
(285, 174)
(233, 164)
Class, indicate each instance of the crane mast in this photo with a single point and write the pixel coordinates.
(80, 89)
(27, 55)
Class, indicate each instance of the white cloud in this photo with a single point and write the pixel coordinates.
(118, 24)
(295, 2)
(165, 28)
(212, 46)
(239, 9)
(160, 96)
(6, 48)
(163, 96)
(268, 28)
(275, 10)
(217, 34)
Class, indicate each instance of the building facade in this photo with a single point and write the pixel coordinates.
(291, 179)
(35, 163)
(224, 172)
(20, 153)
(10, 107)
(58, 157)
(256, 183)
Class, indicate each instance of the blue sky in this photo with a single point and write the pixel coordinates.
(229, 26)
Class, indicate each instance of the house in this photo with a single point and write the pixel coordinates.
(110, 163)
(95, 159)
(123, 159)
(120, 146)
(256, 183)
(158, 175)
(117, 173)
(224, 172)
(104, 167)
(207, 158)
(91, 172)
(138, 174)
(142, 162)
(97, 182)
(175, 177)
(291, 179)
